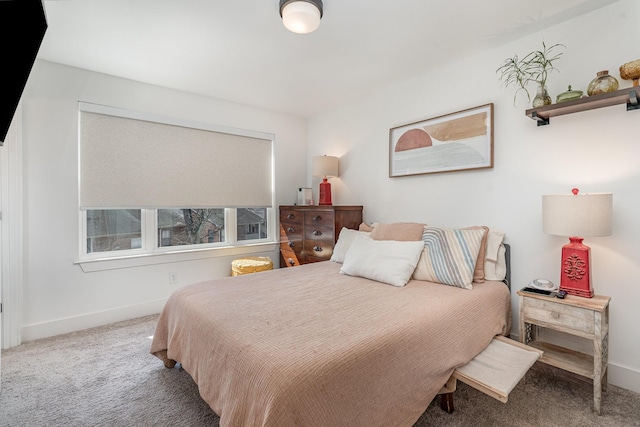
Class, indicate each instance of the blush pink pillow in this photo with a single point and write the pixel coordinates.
(401, 231)
(365, 227)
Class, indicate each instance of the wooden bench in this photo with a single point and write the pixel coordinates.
(495, 371)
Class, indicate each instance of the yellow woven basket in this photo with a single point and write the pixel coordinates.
(250, 265)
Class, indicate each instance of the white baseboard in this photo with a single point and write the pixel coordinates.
(91, 320)
(624, 377)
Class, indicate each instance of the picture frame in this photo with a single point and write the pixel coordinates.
(453, 142)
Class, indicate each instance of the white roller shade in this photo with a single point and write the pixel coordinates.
(132, 163)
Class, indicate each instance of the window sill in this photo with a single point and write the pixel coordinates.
(113, 263)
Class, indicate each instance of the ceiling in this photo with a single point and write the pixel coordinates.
(238, 50)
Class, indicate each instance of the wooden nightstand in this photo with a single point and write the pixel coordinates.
(583, 317)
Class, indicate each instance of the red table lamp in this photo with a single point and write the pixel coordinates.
(573, 215)
(325, 166)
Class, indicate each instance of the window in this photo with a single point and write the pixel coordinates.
(251, 223)
(113, 230)
(138, 173)
(177, 227)
(125, 231)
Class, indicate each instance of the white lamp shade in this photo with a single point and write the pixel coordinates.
(301, 17)
(580, 215)
(325, 166)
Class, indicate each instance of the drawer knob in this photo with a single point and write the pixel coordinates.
(290, 216)
(317, 233)
(317, 218)
(555, 314)
(292, 244)
(317, 248)
(291, 230)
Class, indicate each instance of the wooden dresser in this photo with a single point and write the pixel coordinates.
(309, 233)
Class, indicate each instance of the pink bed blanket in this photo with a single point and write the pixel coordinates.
(308, 346)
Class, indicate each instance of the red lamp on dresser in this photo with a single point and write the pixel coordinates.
(576, 216)
(325, 166)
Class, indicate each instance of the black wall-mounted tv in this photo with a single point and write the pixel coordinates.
(22, 27)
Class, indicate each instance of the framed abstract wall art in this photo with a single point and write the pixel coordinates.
(453, 142)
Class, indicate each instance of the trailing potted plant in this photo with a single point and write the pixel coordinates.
(534, 67)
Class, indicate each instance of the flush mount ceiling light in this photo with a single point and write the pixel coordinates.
(301, 16)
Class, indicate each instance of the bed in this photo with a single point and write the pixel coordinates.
(313, 346)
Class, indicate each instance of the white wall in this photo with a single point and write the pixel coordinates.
(596, 151)
(58, 296)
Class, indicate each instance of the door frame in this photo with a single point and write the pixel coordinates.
(11, 234)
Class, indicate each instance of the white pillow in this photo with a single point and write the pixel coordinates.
(345, 238)
(386, 261)
(495, 266)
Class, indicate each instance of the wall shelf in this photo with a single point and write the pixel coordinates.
(630, 96)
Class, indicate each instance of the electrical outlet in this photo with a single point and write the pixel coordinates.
(173, 278)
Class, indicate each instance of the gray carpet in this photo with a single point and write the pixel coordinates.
(106, 377)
